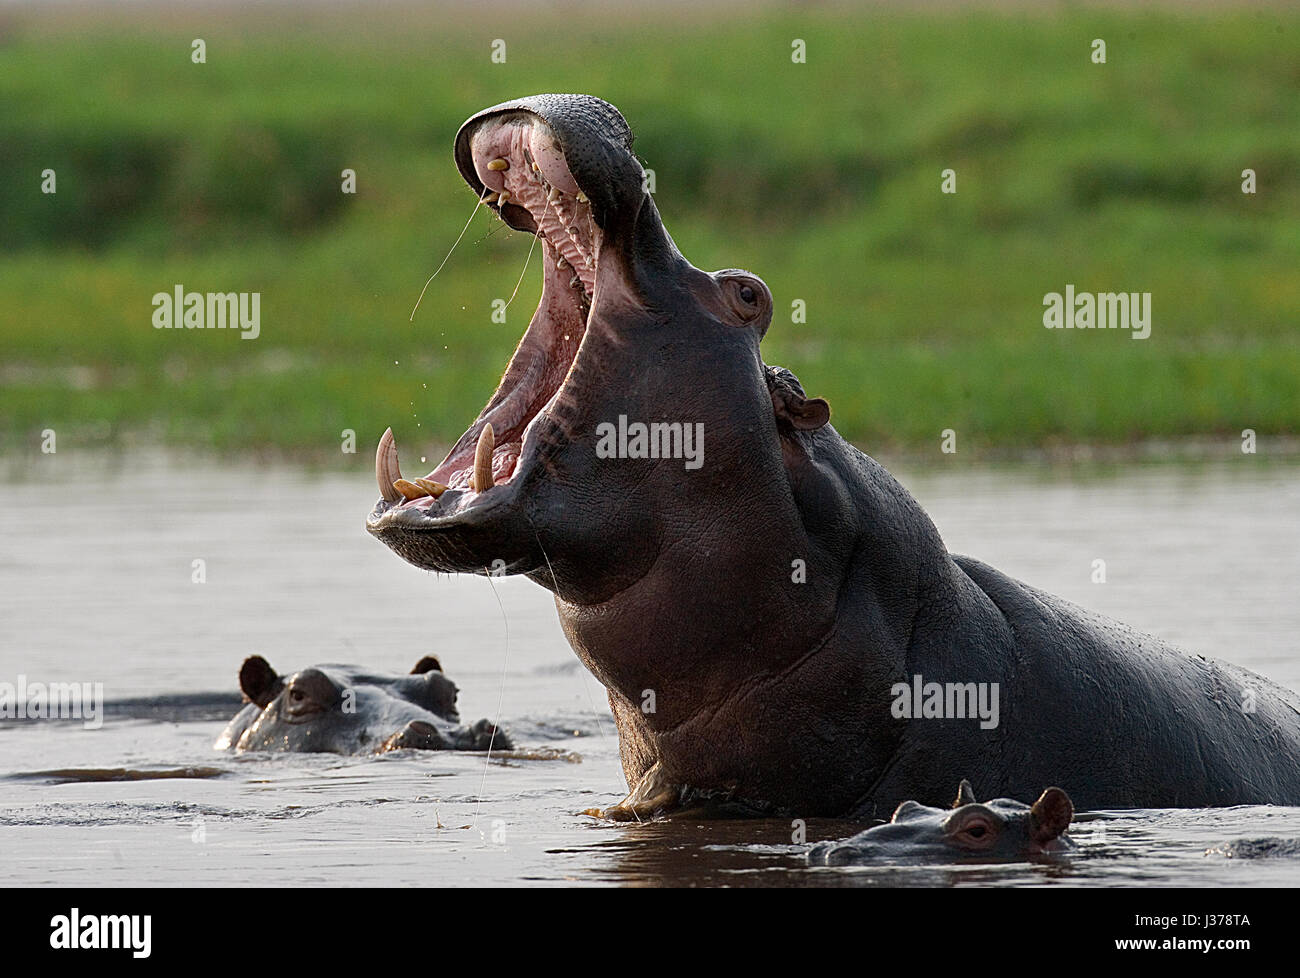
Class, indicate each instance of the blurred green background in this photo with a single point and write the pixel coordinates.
(924, 309)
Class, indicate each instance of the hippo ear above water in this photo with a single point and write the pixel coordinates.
(965, 795)
(1050, 815)
(791, 406)
(428, 664)
(258, 681)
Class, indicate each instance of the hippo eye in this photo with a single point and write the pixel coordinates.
(973, 829)
(746, 298)
(977, 832)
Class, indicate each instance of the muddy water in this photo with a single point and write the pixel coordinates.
(99, 586)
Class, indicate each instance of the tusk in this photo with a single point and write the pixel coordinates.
(387, 471)
(499, 164)
(483, 460)
(434, 489)
(409, 489)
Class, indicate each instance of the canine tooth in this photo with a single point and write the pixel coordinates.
(491, 198)
(434, 489)
(582, 198)
(387, 471)
(499, 164)
(409, 489)
(482, 478)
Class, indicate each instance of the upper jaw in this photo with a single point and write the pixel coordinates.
(519, 176)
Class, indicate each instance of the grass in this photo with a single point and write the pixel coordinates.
(924, 309)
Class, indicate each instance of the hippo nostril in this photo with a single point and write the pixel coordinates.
(416, 735)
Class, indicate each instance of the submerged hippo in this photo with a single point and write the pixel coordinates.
(1001, 829)
(346, 710)
(776, 620)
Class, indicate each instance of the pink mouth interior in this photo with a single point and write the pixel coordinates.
(538, 181)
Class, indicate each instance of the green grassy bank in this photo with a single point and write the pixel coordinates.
(924, 310)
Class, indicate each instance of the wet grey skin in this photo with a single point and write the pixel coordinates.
(346, 710)
(772, 689)
(1001, 830)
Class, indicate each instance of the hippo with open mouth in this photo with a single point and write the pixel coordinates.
(760, 620)
(970, 831)
(345, 710)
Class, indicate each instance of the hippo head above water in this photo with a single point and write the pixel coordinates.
(627, 333)
(626, 330)
(345, 710)
(752, 590)
(1001, 829)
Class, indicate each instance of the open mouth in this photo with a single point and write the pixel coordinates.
(526, 180)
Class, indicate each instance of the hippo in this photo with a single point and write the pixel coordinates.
(776, 620)
(346, 710)
(994, 831)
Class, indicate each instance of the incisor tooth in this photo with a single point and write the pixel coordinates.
(499, 164)
(482, 478)
(387, 471)
(409, 489)
(434, 489)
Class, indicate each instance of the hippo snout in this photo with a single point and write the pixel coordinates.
(419, 735)
(416, 735)
(484, 735)
(832, 854)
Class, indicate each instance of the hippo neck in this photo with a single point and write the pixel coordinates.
(755, 645)
(709, 611)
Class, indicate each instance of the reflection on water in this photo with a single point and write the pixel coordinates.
(157, 577)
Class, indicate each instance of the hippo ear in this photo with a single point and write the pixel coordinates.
(428, 664)
(259, 681)
(790, 405)
(1050, 815)
(801, 413)
(965, 795)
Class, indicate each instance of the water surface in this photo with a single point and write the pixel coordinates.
(96, 585)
